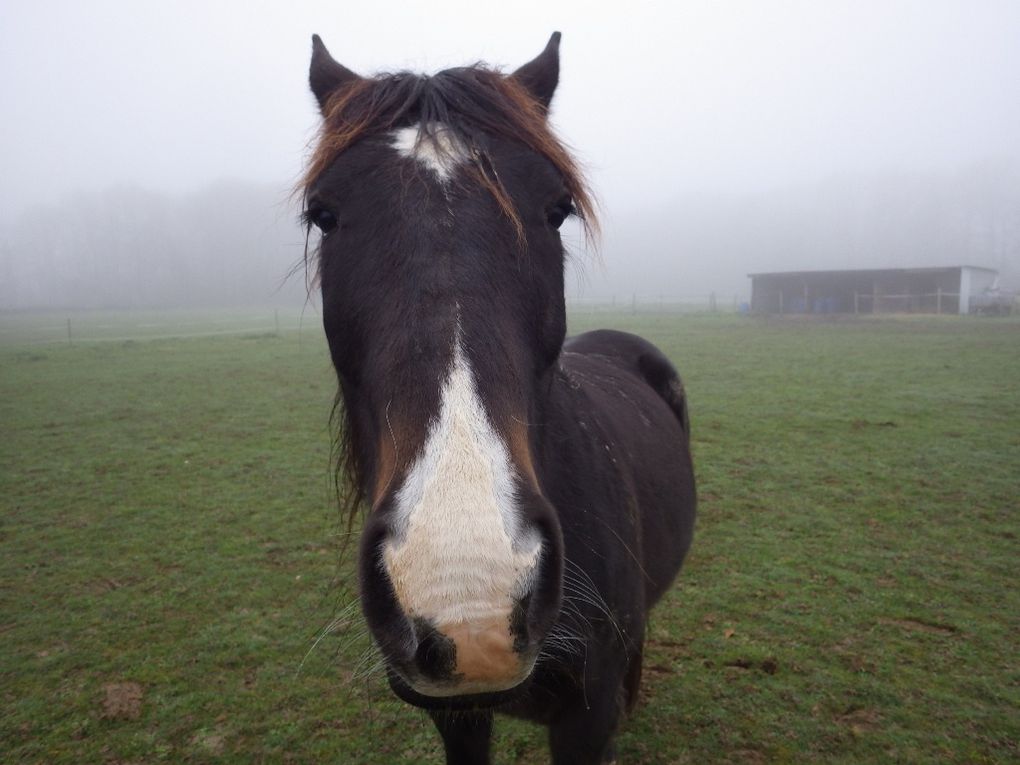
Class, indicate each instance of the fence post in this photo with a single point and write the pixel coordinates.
(69, 331)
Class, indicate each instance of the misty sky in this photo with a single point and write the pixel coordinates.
(687, 95)
(664, 103)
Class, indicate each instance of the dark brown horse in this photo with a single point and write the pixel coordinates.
(531, 497)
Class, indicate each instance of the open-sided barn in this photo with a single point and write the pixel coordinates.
(951, 289)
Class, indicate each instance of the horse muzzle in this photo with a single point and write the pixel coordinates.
(467, 659)
(459, 622)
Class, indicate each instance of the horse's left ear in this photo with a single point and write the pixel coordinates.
(541, 75)
(325, 74)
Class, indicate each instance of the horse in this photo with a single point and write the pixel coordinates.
(528, 497)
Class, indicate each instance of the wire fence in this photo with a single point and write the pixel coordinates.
(934, 302)
(634, 303)
(71, 327)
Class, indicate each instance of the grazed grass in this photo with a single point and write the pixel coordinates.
(168, 554)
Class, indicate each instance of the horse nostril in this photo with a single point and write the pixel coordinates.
(436, 654)
(519, 623)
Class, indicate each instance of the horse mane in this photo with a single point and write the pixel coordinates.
(468, 104)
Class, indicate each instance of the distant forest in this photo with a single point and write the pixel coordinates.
(235, 243)
(696, 243)
(230, 244)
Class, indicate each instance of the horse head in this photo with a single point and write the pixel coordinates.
(439, 201)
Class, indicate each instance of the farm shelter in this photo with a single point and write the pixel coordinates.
(950, 289)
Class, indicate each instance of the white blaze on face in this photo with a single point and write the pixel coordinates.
(437, 150)
(460, 554)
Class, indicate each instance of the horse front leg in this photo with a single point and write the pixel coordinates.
(584, 732)
(466, 736)
(585, 736)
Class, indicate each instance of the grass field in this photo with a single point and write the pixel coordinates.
(168, 550)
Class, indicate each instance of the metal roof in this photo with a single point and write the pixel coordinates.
(870, 271)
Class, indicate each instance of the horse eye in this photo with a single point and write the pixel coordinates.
(322, 219)
(560, 212)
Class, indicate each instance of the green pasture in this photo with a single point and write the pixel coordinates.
(169, 548)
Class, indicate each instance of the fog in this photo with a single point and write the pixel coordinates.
(149, 150)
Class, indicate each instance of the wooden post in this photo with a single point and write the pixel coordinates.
(807, 303)
(780, 302)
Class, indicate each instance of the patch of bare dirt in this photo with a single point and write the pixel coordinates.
(251, 676)
(211, 741)
(122, 701)
(917, 625)
(859, 720)
(769, 666)
(106, 584)
(658, 669)
(747, 757)
(674, 649)
(851, 656)
(861, 424)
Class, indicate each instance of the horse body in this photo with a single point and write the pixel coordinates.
(613, 461)
(637, 441)
(531, 497)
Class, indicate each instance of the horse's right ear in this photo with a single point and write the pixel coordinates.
(325, 75)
